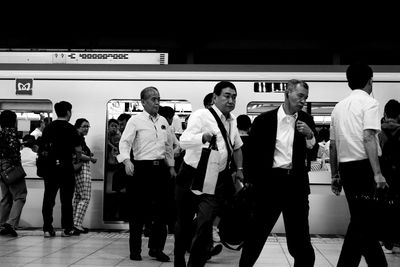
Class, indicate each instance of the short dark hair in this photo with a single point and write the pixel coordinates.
(112, 121)
(62, 108)
(8, 118)
(124, 117)
(144, 94)
(221, 85)
(358, 75)
(243, 122)
(166, 112)
(392, 109)
(291, 85)
(79, 122)
(208, 99)
(28, 140)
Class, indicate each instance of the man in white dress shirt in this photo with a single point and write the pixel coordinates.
(148, 136)
(202, 125)
(354, 163)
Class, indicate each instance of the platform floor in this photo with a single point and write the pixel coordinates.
(98, 248)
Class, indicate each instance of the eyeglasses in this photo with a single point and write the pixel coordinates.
(85, 126)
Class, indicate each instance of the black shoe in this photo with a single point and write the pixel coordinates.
(135, 257)
(8, 230)
(50, 233)
(76, 231)
(67, 233)
(159, 255)
(85, 230)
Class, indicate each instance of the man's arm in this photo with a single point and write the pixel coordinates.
(238, 158)
(371, 149)
(333, 159)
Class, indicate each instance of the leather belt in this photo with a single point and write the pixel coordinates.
(156, 162)
(282, 171)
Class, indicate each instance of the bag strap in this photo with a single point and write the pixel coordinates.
(239, 247)
(224, 134)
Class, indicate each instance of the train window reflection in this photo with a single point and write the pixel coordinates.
(118, 112)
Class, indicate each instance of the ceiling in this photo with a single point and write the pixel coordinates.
(219, 37)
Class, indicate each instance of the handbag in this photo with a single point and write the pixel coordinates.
(384, 207)
(235, 219)
(207, 171)
(13, 174)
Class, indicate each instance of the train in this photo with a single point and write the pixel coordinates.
(99, 92)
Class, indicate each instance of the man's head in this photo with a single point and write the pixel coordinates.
(225, 97)
(392, 110)
(122, 120)
(208, 100)
(243, 122)
(63, 110)
(167, 112)
(296, 95)
(359, 76)
(150, 99)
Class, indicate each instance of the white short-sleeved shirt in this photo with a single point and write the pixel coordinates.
(350, 117)
(202, 121)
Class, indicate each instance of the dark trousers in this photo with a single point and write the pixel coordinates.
(360, 240)
(147, 192)
(198, 236)
(287, 197)
(59, 178)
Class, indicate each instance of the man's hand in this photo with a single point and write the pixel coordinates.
(380, 181)
(207, 137)
(336, 186)
(303, 128)
(129, 168)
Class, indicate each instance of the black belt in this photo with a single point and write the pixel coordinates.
(156, 162)
(282, 171)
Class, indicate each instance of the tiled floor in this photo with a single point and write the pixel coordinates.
(111, 249)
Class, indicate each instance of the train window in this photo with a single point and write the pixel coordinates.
(115, 198)
(30, 115)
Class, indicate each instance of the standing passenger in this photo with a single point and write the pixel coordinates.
(201, 128)
(279, 143)
(83, 179)
(60, 142)
(147, 135)
(354, 164)
(13, 195)
(389, 139)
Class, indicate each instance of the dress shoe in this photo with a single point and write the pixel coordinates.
(49, 233)
(135, 257)
(159, 255)
(8, 230)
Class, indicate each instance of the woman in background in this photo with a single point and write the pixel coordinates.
(83, 179)
(13, 195)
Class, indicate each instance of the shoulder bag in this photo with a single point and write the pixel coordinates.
(13, 174)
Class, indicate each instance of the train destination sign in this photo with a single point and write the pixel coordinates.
(83, 57)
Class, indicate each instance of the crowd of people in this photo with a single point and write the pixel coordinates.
(157, 168)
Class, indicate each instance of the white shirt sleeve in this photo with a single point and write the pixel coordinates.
(126, 142)
(192, 136)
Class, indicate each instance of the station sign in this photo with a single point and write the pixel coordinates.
(109, 57)
(23, 86)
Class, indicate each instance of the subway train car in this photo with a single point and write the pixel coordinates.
(102, 92)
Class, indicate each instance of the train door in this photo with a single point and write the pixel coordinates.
(116, 201)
